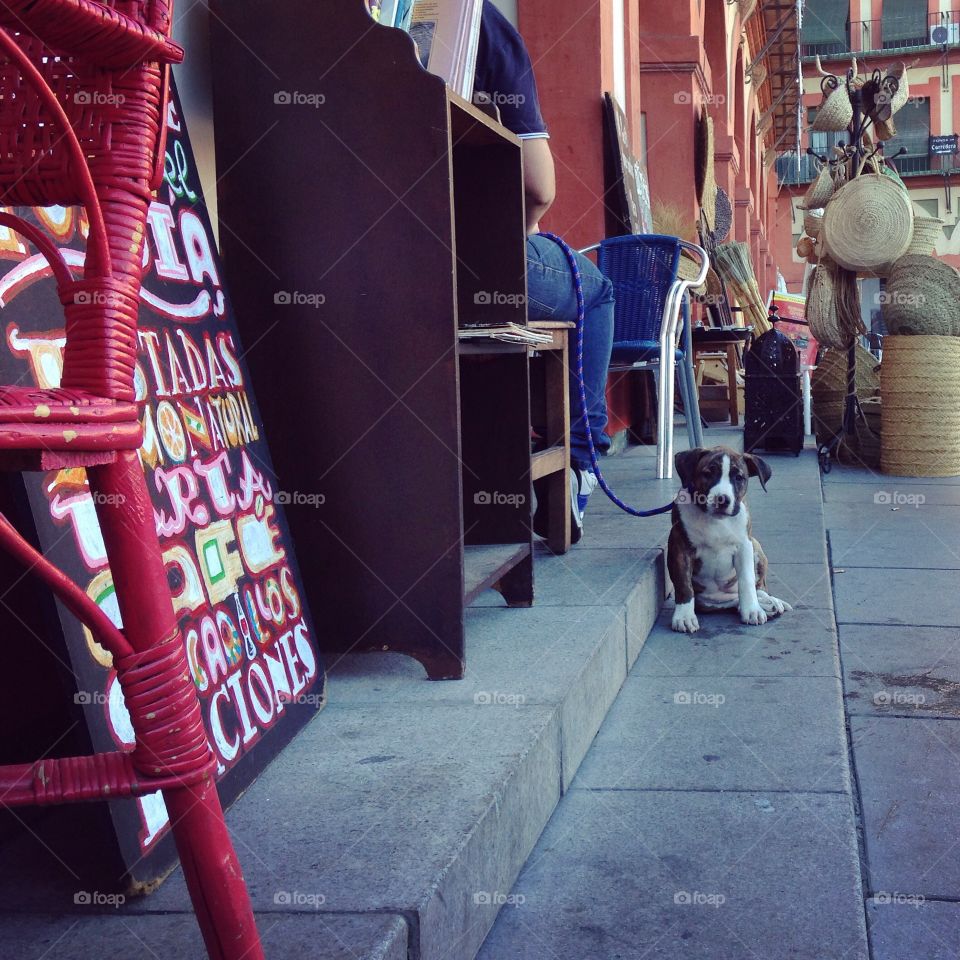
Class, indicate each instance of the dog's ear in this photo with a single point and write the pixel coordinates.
(686, 464)
(758, 467)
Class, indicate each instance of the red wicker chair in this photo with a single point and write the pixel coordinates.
(83, 90)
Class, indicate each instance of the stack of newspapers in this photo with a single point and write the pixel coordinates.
(446, 33)
(506, 332)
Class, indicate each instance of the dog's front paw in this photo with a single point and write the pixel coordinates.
(773, 606)
(753, 615)
(685, 618)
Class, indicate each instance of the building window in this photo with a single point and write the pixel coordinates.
(904, 23)
(913, 132)
(826, 27)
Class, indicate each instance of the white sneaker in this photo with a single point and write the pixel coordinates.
(582, 484)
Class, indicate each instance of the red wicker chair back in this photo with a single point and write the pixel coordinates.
(85, 126)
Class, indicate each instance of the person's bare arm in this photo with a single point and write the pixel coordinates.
(539, 180)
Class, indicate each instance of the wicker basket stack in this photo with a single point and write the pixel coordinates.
(829, 389)
(920, 384)
(922, 298)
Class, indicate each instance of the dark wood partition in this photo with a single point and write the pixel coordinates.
(363, 207)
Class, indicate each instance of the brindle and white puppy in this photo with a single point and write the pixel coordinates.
(713, 559)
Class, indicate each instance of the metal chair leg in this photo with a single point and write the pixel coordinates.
(689, 411)
(694, 418)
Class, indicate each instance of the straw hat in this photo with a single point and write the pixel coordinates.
(724, 217)
(922, 296)
(705, 176)
(812, 221)
(868, 224)
(920, 413)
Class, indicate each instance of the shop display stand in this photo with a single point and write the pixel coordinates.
(405, 461)
(854, 155)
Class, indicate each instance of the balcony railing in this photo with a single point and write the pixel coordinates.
(889, 33)
(917, 161)
(793, 170)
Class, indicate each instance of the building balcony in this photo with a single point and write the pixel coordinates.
(917, 161)
(866, 37)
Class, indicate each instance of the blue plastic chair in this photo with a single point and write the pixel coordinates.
(650, 299)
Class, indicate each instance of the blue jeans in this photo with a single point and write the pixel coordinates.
(552, 297)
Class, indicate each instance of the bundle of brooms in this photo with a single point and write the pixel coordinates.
(732, 261)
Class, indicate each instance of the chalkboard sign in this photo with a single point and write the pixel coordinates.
(250, 640)
(631, 186)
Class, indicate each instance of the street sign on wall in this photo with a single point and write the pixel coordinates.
(250, 641)
(944, 144)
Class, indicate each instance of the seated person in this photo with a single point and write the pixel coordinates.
(504, 76)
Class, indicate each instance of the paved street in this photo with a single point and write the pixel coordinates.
(784, 791)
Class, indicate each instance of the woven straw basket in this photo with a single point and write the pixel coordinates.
(805, 248)
(829, 388)
(833, 304)
(868, 224)
(926, 232)
(922, 296)
(820, 191)
(899, 72)
(835, 112)
(920, 385)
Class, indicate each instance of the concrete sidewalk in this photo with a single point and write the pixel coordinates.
(714, 815)
(895, 548)
(396, 822)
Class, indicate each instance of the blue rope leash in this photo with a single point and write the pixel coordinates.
(584, 409)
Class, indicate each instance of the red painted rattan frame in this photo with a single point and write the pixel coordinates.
(98, 78)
